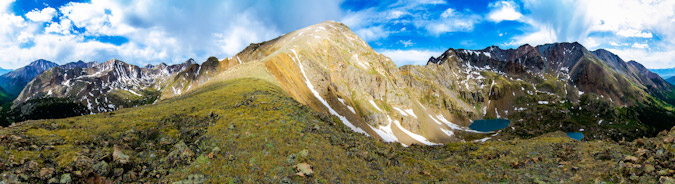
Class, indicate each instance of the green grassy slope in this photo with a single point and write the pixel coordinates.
(251, 131)
(4, 97)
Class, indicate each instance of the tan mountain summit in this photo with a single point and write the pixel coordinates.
(329, 68)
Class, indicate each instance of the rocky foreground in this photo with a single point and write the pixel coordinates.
(260, 134)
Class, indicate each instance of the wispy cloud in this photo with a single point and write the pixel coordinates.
(451, 21)
(406, 43)
(43, 15)
(634, 33)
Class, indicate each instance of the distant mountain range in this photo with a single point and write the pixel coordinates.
(330, 69)
(14, 81)
(102, 87)
(665, 72)
(671, 80)
(4, 71)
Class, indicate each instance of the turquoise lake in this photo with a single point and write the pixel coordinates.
(575, 135)
(487, 125)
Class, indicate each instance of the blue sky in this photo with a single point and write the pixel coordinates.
(171, 31)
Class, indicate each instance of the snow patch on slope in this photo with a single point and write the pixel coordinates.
(375, 105)
(318, 96)
(415, 136)
(407, 112)
(348, 107)
(385, 132)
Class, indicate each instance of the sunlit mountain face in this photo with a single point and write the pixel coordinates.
(337, 91)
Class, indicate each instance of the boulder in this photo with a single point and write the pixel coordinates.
(102, 168)
(46, 173)
(118, 156)
(65, 179)
(303, 170)
(84, 164)
(179, 152)
(631, 159)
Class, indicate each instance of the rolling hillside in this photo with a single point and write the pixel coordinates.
(261, 134)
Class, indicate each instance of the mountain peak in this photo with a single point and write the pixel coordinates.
(44, 64)
(605, 53)
(212, 59)
(326, 28)
(114, 61)
(612, 59)
(13, 82)
(525, 46)
(635, 63)
(40, 61)
(190, 61)
(492, 47)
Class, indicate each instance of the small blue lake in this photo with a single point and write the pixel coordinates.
(575, 135)
(487, 125)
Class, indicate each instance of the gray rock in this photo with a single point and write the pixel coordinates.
(304, 153)
(631, 159)
(129, 176)
(118, 156)
(118, 171)
(46, 173)
(291, 159)
(102, 168)
(84, 163)
(65, 179)
(180, 152)
(53, 181)
(303, 169)
(666, 179)
(193, 179)
(649, 168)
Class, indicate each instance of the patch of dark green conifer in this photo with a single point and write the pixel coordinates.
(594, 117)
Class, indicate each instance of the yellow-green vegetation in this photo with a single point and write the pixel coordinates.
(251, 131)
(127, 99)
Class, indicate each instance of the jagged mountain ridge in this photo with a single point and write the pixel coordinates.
(102, 87)
(600, 71)
(78, 64)
(330, 69)
(429, 102)
(13, 82)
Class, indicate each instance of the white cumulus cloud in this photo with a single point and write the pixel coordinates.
(151, 31)
(43, 15)
(504, 10)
